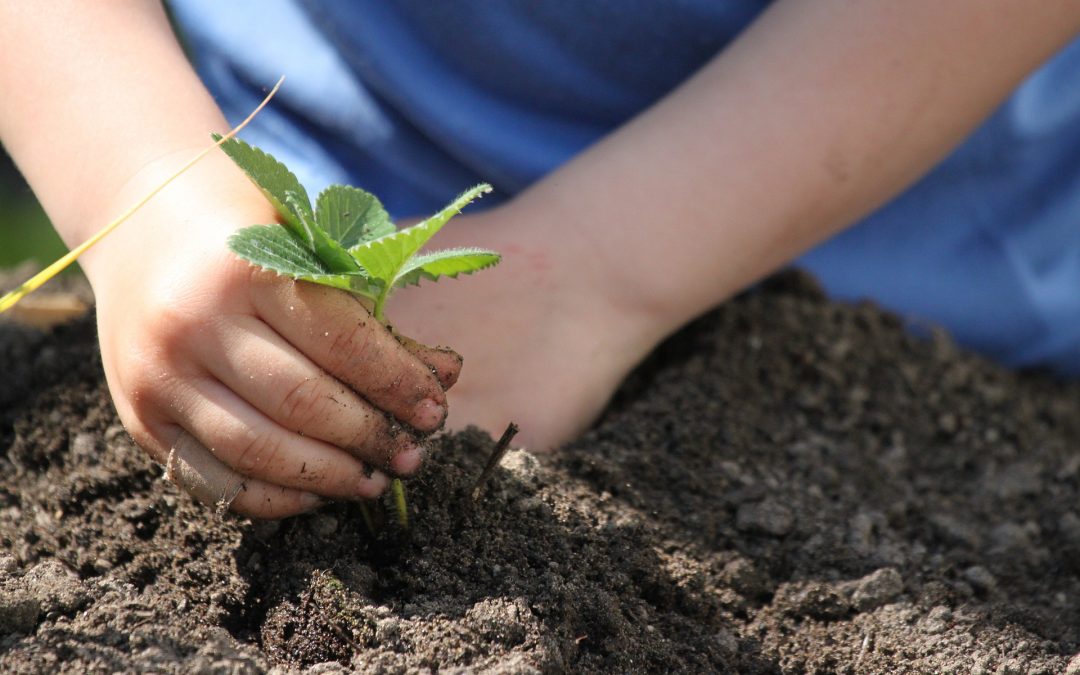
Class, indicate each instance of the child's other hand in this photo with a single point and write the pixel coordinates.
(256, 391)
(547, 335)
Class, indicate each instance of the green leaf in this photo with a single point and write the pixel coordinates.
(383, 258)
(446, 263)
(274, 248)
(273, 179)
(331, 253)
(352, 216)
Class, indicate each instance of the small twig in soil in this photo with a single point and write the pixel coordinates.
(493, 461)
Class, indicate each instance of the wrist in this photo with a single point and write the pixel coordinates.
(568, 260)
(591, 255)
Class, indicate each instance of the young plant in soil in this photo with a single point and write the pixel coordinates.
(346, 241)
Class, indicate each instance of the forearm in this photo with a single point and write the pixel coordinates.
(818, 114)
(94, 92)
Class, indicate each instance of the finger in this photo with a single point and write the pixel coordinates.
(254, 446)
(196, 471)
(341, 337)
(256, 363)
(443, 361)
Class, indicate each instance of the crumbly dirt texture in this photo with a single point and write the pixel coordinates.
(786, 486)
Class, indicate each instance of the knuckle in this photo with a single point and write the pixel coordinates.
(256, 452)
(368, 431)
(300, 406)
(351, 347)
(173, 327)
(146, 391)
(406, 384)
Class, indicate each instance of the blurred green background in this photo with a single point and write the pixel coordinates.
(25, 233)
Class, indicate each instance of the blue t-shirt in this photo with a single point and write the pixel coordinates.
(416, 100)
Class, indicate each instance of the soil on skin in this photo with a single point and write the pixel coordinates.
(788, 485)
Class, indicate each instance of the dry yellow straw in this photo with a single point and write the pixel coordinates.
(9, 300)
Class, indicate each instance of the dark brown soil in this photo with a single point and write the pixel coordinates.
(786, 486)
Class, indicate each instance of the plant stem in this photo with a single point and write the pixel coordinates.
(380, 302)
(401, 505)
(398, 489)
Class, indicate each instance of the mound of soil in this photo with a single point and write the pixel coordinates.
(787, 485)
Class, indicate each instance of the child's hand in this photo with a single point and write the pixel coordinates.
(547, 336)
(256, 392)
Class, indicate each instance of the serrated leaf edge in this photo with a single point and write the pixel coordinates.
(417, 263)
(291, 215)
(356, 283)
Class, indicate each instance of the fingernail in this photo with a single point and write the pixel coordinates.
(408, 460)
(429, 414)
(373, 485)
(309, 501)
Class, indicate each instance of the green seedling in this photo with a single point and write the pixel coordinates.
(346, 241)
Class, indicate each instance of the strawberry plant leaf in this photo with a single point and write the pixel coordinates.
(384, 257)
(274, 248)
(425, 230)
(274, 180)
(331, 253)
(446, 263)
(351, 216)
